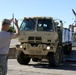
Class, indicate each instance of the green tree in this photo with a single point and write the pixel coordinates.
(11, 29)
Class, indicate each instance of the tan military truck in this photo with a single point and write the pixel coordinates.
(43, 38)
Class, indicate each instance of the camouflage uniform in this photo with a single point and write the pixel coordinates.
(5, 38)
(3, 64)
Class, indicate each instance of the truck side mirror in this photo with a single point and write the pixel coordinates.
(56, 23)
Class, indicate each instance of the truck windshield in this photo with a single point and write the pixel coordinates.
(28, 24)
(45, 25)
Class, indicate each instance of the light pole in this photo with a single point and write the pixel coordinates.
(13, 19)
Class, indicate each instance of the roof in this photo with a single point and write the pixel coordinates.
(38, 18)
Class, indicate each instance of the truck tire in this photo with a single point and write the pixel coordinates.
(70, 49)
(66, 49)
(22, 58)
(55, 58)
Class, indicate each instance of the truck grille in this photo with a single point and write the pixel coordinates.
(37, 52)
(33, 39)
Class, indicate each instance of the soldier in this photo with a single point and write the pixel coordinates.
(5, 38)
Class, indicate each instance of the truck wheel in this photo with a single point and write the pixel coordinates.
(55, 58)
(66, 50)
(70, 49)
(22, 58)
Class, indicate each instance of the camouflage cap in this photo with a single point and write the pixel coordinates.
(6, 21)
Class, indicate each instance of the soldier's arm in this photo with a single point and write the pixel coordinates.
(15, 35)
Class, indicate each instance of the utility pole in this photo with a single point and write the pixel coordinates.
(13, 19)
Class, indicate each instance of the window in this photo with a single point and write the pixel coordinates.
(45, 25)
(28, 24)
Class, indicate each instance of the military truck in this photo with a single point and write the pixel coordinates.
(43, 38)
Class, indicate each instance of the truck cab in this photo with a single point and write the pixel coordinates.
(39, 39)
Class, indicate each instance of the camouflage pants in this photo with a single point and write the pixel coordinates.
(3, 64)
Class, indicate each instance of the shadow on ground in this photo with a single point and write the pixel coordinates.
(69, 64)
(64, 66)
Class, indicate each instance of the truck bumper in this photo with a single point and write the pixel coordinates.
(35, 50)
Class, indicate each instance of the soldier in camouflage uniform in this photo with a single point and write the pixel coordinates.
(5, 38)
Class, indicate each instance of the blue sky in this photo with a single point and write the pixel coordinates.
(61, 9)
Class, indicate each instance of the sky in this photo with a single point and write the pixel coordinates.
(59, 9)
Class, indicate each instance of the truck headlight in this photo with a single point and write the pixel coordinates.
(48, 47)
(20, 46)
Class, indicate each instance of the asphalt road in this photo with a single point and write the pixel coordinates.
(40, 68)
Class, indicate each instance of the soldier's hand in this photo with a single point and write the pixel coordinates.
(11, 20)
(16, 22)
